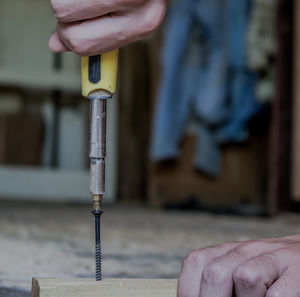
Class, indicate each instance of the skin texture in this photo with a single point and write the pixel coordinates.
(92, 27)
(261, 268)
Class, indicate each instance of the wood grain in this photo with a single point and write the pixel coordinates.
(106, 288)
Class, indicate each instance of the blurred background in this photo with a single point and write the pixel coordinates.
(203, 142)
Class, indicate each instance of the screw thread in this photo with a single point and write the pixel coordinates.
(98, 252)
(98, 263)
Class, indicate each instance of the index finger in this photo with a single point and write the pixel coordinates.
(67, 11)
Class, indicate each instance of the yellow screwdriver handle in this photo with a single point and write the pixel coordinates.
(99, 73)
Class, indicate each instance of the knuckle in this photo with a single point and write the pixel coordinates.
(59, 10)
(155, 18)
(79, 46)
(247, 276)
(70, 33)
(214, 273)
(150, 25)
(194, 259)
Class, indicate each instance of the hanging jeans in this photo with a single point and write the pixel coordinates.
(200, 85)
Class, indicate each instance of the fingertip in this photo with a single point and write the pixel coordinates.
(56, 45)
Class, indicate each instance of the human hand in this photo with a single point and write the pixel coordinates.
(92, 27)
(261, 268)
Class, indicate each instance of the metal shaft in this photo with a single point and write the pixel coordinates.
(97, 169)
(97, 146)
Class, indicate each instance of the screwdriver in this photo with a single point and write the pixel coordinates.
(99, 80)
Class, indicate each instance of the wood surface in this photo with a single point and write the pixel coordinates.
(296, 107)
(281, 112)
(81, 287)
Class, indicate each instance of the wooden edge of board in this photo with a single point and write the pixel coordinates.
(84, 287)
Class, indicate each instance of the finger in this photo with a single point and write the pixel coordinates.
(218, 274)
(258, 274)
(94, 36)
(102, 34)
(67, 11)
(191, 272)
(255, 276)
(287, 285)
(56, 45)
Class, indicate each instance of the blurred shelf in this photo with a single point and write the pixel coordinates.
(25, 59)
(41, 80)
(38, 184)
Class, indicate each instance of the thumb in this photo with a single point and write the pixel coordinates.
(56, 45)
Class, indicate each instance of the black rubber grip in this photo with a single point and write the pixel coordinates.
(95, 69)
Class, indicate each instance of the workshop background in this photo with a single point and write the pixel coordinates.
(203, 141)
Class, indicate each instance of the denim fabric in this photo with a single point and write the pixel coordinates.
(203, 41)
(237, 23)
(243, 106)
(172, 110)
(242, 82)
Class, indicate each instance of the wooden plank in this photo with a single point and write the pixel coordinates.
(280, 130)
(134, 121)
(296, 108)
(81, 287)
